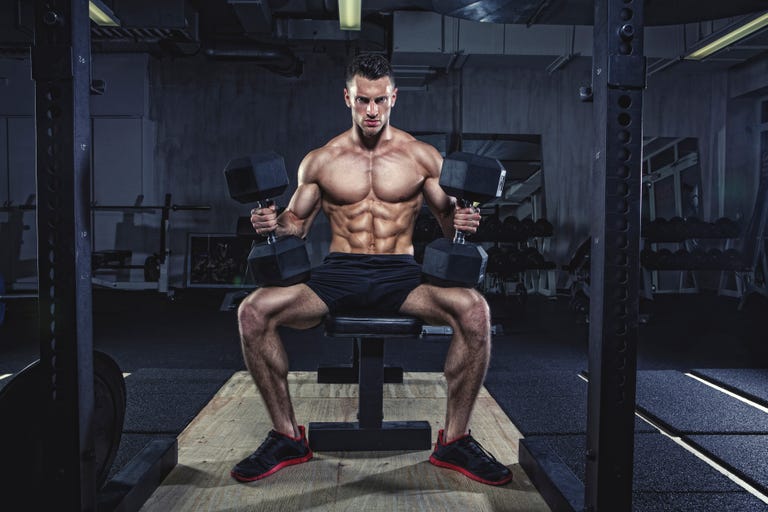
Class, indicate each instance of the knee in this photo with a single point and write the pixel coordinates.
(474, 317)
(254, 314)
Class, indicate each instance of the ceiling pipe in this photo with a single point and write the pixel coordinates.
(278, 59)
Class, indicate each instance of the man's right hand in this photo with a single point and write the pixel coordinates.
(264, 220)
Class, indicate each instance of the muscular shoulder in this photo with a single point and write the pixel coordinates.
(429, 159)
(316, 160)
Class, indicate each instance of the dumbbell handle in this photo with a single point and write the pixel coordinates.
(271, 238)
(458, 236)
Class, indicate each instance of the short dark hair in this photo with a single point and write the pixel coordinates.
(371, 66)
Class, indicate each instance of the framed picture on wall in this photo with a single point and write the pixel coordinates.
(218, 261)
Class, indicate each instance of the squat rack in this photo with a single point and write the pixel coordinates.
(61, 61)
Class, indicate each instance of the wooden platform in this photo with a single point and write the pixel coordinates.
(235, 422)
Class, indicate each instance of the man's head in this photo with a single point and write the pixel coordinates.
(371, 66)
(370, 92)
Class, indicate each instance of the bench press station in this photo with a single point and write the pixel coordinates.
(370, 432)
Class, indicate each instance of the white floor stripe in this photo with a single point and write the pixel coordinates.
(711, 462)
(5, 375)
(729, 393)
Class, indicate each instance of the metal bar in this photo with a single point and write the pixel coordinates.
(18, 296)
(98, 207)
(618, 83)
(371, 382)
(61, 64)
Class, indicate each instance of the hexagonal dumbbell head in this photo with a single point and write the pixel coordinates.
(450, 264)
(281, 263)
(472, 177)
(256, 177)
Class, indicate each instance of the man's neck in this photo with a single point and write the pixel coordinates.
(370, 143)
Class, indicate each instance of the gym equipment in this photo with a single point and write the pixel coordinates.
(490, 229)
(497, 260)
(5, 296)
(155, 266)
(726, 228)
(281, 261)
(528, 226)
(469, 178)
(25, 471)
(370, 432)
(543, 228)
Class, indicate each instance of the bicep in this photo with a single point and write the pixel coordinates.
(305, 201)
(437, 200)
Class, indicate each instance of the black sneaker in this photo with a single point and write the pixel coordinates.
(276, 452)
(466, 456)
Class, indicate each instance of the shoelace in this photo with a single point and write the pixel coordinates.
(265, 446)
(478, 449)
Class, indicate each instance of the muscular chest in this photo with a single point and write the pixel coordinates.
(390, 178)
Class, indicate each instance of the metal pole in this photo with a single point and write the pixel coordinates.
(61, 62)
(618, 83)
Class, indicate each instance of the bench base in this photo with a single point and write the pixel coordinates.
(350, 374)
(348, 436)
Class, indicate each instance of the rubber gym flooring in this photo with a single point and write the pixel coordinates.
(701, 439)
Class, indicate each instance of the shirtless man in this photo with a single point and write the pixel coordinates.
(371, 182)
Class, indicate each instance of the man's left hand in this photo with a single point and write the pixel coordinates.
(466, 219)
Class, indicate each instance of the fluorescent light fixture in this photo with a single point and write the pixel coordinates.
(729, 38)
(101, 14)
(349, 14)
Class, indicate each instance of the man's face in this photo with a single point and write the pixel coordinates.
(370, 102)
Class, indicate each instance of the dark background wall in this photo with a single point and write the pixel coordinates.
(194, 114)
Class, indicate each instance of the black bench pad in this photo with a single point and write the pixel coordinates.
(368, 326)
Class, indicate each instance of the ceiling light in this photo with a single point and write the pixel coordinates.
(349, 14)
(730, 37)
(101, 14)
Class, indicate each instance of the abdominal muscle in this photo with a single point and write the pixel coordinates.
(372, 226)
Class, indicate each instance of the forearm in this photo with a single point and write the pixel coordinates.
(445, 220)
(288, 224)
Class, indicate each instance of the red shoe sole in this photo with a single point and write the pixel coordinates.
(466, 473)
(275, 469)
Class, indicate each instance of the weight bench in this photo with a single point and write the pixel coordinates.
(370, 432)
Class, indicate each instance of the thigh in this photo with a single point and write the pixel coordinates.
(291, 306)
(440, 306)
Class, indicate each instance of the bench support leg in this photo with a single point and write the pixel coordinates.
(350, 373)
(370, 433)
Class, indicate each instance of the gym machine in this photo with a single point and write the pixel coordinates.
(155, 267)
(67, 408)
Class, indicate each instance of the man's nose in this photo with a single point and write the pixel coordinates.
(372, 109)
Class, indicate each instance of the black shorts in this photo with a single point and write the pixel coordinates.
(365, 282)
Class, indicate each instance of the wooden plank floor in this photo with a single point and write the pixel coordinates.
(234, 423)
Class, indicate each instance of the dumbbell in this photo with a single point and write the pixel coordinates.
(280, 261)
(511, 229)
(733, 260)
(528, 228)
(649, 259)
(698, 258)
(469, 178)
(544, 228)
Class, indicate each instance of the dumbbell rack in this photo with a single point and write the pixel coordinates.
(516, 265)
(673, 246)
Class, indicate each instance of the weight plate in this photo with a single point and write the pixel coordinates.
(22, 427)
